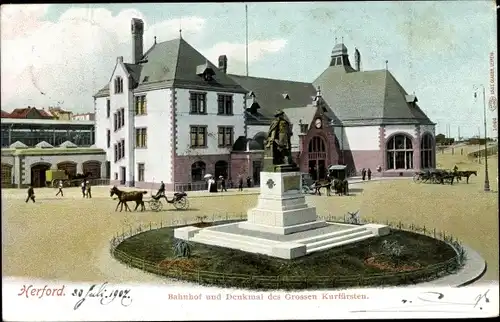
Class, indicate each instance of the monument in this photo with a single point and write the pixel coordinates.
(282, 224)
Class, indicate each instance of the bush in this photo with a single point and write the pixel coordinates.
(182, 248)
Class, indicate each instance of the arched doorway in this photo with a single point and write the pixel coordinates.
(38, 174)
(221, 168)
(427, 151)
(399, 153)
(198, 171)
(68, 166)
(6, 175)
(93, 168)
(317, 158)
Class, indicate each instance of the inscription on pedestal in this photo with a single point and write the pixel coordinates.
(291, 183)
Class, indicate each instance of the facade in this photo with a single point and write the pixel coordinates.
(60, 114)
(170, 115)
(83, 117)
(32, 131)
(22, 166)
(28, 113)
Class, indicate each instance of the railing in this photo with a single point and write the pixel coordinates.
(287, 282)
(191, 186)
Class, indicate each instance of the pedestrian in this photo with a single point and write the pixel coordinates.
(83, 188)
(88, 190)
(31, 194)
(240, 183)
(369, 172)
(363, 174)
(60, 191)
(223, 184)
(249, 182)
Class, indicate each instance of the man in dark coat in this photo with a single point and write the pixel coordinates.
(223, 184)
(31, 194)
(363, 174)
(369, 172)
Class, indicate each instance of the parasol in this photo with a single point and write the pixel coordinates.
(207, 176)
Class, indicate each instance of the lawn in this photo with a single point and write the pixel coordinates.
(354, 261)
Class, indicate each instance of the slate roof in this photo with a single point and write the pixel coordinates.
(174, 63)
(368, 98)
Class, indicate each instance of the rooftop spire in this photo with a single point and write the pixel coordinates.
(155, 40)
(180, 28)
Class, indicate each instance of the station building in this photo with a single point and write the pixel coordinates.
(171, 115)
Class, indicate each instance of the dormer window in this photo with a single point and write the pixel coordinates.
(146, 78)
(118, 85)
(285, 96)
(303, 128)
(205, 72)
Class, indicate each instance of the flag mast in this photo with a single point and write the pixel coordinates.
(246, 37)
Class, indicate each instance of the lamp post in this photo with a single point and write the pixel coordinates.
(486, 177)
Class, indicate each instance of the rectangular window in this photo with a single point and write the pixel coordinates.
(115, 120)
(225, 136)
(123, 148)
(140, 172)
(303, 128)
(119, 117)
(118, 85)
(225, 104)
(198, 136)
(108, 138)
(122, 114)
(141, 138)
(108, 108)
(140, 105)
(116, 152)
(198, 103)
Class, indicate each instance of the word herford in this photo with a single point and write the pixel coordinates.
(31, 291)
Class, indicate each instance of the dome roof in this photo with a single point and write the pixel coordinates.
(243, 144)
(339, 50)
(254, 145)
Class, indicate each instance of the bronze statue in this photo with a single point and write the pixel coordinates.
(278, 140)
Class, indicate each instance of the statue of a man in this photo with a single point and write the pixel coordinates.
(278, 139)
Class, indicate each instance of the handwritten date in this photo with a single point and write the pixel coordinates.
(103, 293)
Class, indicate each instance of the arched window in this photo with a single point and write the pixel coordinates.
(399, 153)
(198, 171)
(426, 151)
(317, 145)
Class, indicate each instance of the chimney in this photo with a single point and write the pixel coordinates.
(223, 63)
(357, 59)
(137, 40)
(119, 59)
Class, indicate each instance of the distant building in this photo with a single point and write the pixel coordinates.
(83, 117)
(5, 114)
(60, 114)
(28, 113)
(171, 115)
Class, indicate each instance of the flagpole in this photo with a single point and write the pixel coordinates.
(246, 37)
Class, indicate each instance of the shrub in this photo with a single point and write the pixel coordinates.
(182, 248)
(393, 250)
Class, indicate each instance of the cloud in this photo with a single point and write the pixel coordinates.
(68, 60)
(236, 52)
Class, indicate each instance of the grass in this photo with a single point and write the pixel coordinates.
(355, 261)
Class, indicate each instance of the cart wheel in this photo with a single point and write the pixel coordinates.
(416, 178)
(181, 203)
(155, 205)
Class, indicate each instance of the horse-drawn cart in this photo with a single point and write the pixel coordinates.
(179, 201)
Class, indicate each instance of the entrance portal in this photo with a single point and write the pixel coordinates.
(123, 175)
(38, 174)
(317, 158)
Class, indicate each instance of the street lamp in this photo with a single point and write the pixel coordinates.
(486, 177)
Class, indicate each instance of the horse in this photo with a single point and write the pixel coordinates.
(467, 174)
(341, 187)
(125, 196)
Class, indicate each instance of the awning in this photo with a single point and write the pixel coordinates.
(337, 167)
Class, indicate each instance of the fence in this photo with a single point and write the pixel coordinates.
(296, 282)
(491, 150)
(191, 186)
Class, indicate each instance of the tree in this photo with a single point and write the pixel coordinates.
(440, 138)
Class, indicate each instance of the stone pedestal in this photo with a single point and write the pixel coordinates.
(281, 207)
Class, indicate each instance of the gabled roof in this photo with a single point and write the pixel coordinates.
(18, 145)
(174, 63)
(22, 113)
(370, 97)
(68, 144)
(43, 145)
(269, 93)
(5, 114)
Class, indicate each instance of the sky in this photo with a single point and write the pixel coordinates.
(60, 55)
